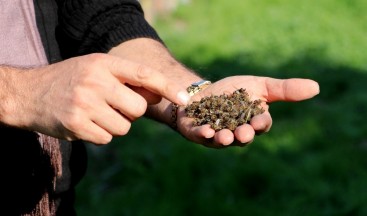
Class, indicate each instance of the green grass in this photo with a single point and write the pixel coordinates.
(312, 162)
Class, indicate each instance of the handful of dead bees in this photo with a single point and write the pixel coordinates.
(224, 111)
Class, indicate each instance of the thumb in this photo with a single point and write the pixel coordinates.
(293, 89)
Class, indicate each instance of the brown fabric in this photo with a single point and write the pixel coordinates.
(21, 46)
(51, 147)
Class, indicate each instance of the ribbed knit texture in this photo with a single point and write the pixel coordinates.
(87, 26)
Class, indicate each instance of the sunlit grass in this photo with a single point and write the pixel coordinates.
(269, 31)
(312, 162)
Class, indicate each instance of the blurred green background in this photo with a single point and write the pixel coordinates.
(312, 162)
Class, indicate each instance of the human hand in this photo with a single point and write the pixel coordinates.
(266, 89)
(87, 97)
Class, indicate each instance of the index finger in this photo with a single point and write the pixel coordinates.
(142, 76)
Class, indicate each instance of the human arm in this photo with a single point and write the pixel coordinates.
(85, 97)
(154, 54)
(264, 88)
(148, 49)
(99, 26)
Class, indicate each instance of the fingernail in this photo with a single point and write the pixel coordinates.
(183, 97)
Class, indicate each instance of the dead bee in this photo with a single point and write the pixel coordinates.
(224, 111)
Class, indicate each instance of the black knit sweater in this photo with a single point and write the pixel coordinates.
(98, 25)
(68, 28)
(87, 26)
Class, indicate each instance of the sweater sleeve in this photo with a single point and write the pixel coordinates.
(87, 26)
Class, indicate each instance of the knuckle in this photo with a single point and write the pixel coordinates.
(105, 139)
(143, 72)
(169, 87)
(96, 57)
(77, 104)
(124, 129)
(140, 108)
(79, 100)
(94, 61)
(72, 122)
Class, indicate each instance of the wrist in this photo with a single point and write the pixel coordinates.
(18, 86)
(10, 82)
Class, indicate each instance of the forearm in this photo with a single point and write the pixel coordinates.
(154, 54)
(10, 93)
(136, 41)
(4, 89)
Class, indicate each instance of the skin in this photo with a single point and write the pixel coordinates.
(87, 97)
(98, 96)
(265, 88)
